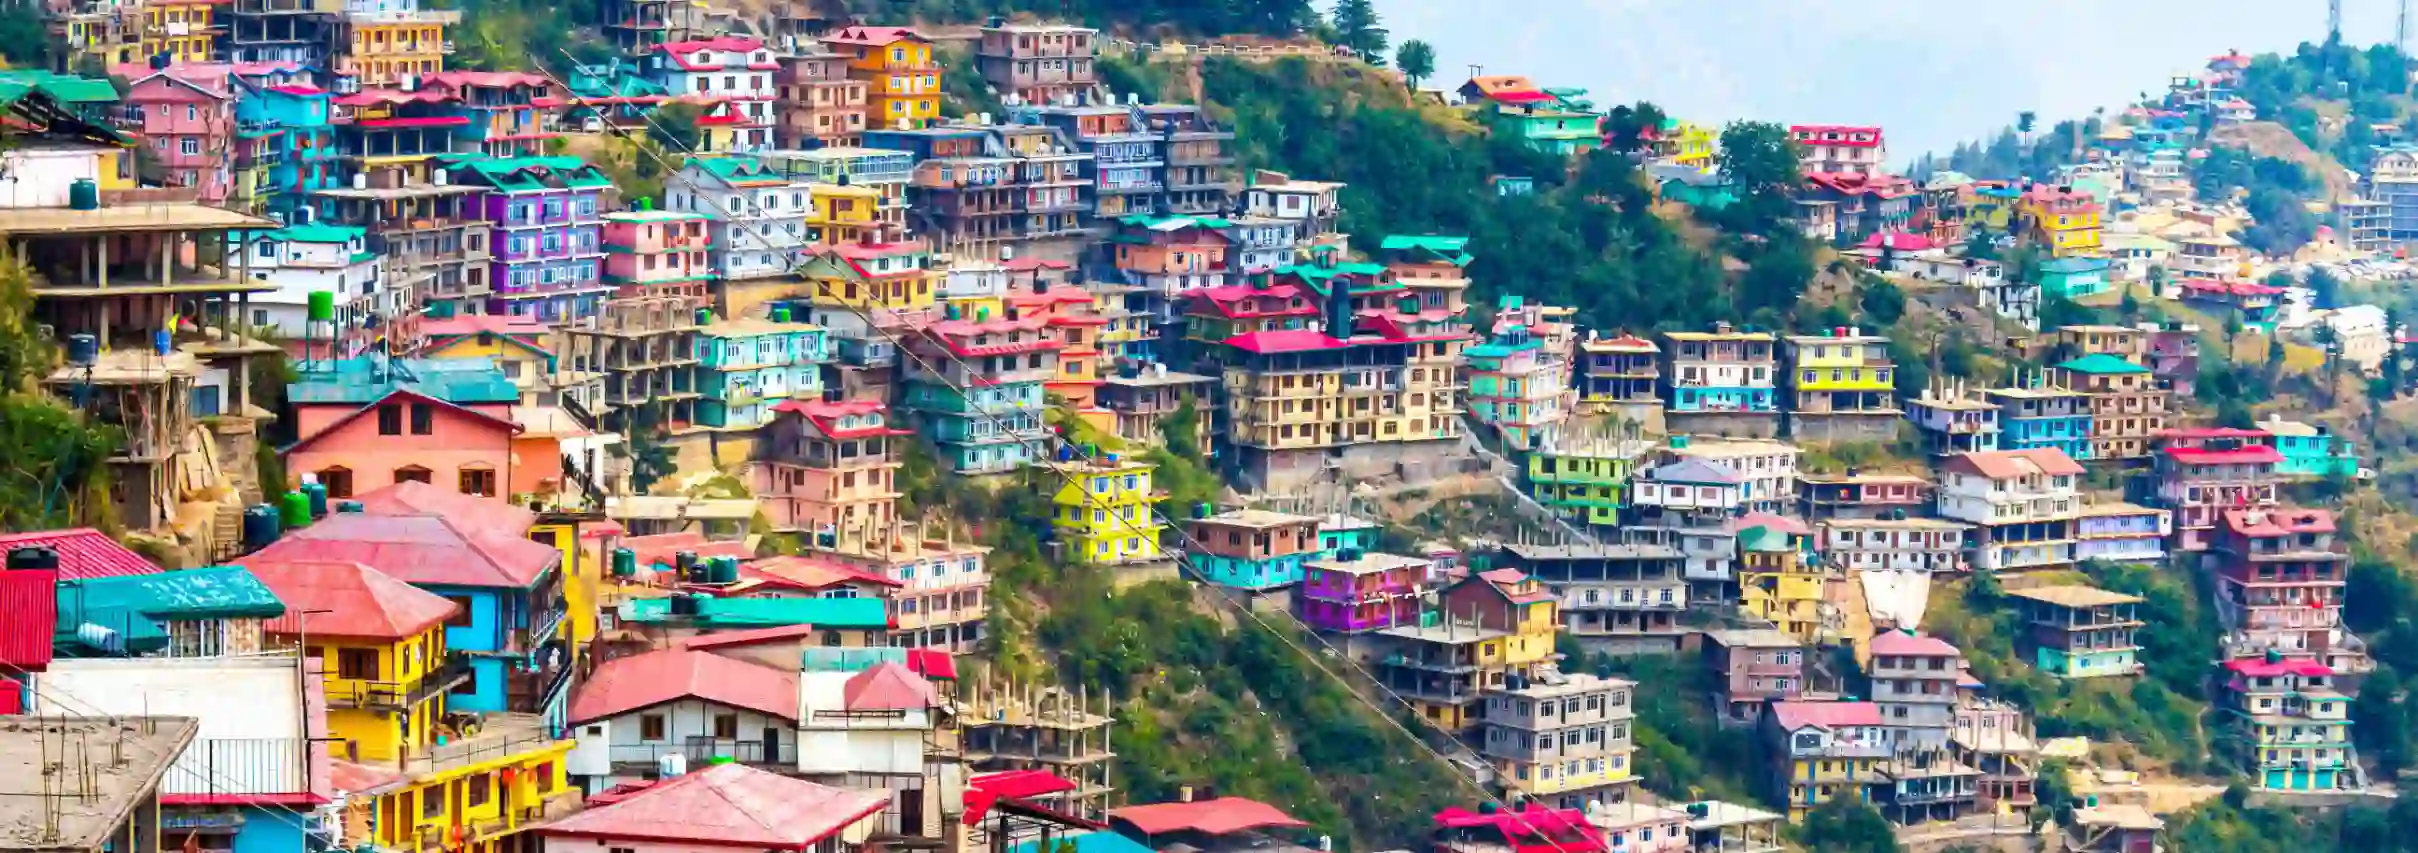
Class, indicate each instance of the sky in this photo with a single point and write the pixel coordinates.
(1930, 72)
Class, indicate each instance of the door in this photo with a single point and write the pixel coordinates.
(772, 746)
(911, 812)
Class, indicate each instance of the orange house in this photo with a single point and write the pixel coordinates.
(901, 79)
(407, 435)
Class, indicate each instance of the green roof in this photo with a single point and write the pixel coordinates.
(65, 88)
(1156, 222)
(134, 605)
(314, 232)
(524, 174)
(1761, 538)
(365, 380)
(2102, 363)
(734, 169)
(822, 659)
(767, 612)
(1451, 249)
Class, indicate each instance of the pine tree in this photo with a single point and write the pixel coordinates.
(1357, 26)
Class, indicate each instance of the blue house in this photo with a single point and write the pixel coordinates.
(304, 149)
(1253, 549)
(2312, 450)
(2044, 416)
(1338, 531)
(2074, 278)
(474, 552)
(745, 367)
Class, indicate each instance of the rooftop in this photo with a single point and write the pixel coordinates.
(627, 684)
(349, 600)
(1258, 518)
(727, 805)
(35, 221)
(28, 749)
(419, 549)
(1221, 816)
(2074, 596)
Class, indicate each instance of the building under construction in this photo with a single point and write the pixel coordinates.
(1009, 726)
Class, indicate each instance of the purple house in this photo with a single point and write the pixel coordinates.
(1363, 593)
(548, 239)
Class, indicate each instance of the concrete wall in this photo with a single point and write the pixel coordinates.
(1729, 425)
(602, 742)
(251, 735)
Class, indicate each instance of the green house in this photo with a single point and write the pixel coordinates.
(2074, 278)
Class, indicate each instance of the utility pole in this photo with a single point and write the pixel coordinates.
(2334, 21)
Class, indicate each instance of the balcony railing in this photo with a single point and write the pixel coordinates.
(398, 695)
(215, 766)
(700, 750)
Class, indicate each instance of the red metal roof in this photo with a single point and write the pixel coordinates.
(748, 637)
(810, 573)
(2004, 464)
(2261, 668)
(665, 548)
(2214, 432)
(1902, 643)
(1807, 132)
(727, 805)
(627, 684)
(1532, 828)
(83, 553)
(374, 97)
(338, 598)
(1220, 816)
(872, 36)
(987, 789)
(482, 78)
(31, 600)
(418, 549)
(2252, 454)
(1285, 340)
(1797, 715)
(887, 687)
(2229, 288)
(933, 663)
(470, 512)
(2278, 522)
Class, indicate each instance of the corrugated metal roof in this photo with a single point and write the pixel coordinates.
(33, 613)
(83, 553)
(368, 379)
(766, 612)
(727, 805)
(424, 550)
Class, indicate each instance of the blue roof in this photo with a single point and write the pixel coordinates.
(133, 606)
(1098, 841)
(368, 379)
(767, 612)
(2073, 265)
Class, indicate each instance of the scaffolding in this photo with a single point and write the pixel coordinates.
(1009, 726)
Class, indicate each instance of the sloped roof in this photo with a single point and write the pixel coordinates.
(538, 173)
(627, 684)
(424, 550)
(1694, 470)
(2004, 464)
(1284, 340)
(871, 36)
(470, 512)
(1450, 249)
(1795, 715)
(887, 687)
(333, 426)
(727, 805)
(1902, 643)
(1221, 816)
(83, 553)
(207, 593)
(341, 598)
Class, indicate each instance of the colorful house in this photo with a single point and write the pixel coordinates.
(977, 386)
(819, 101)
(658, 250)
(1841, 384)
(1105, 512)
(381, 647)
(1542, 737)
(318, 258)
(404, 433)
(1360, 592)
(503, 112)
(1780, 579)
(1722, 381)
(1840, 149)
(2126, 405)
(1620, 375)
(829, 466)
(296, 143)
(2080, 631)
(2202, 474)
(2258, 305)
(394, 41)
(759, 215)
(518, 346)
(183, 31)
(2042, 416)
(902, 80)
(734, 806)
(2311, 451)
(188, 119)
(745, 367)
(548, 234)
(1519, 379)
(2062, 219)
(1171, 257)
(1825, 750)
(1585, 480)
(2297, 719)
(2074, 277)
(733, 77)
(2118, 532)
(1486, 628)
(2023, 505)
(1557, 124)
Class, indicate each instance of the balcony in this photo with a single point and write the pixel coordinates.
(698, 751)
(399, 695)
(498, 736)
(239, 766)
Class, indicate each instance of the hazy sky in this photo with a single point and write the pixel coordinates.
(1932, 72)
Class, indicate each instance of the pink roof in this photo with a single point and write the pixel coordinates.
(2229, 288)
(471, 512)
(887, 687)
(302, 91)
(752, 636)
(2278, 522)
(1221, 816)
(810, 573)
(31, 600)
(1284, 340)
(83, 553)
(872, 36)
(1519, 96)
(2214, 432)
(933, 663)
(735, 44)
(1846, 131)
(340, 598)
(1898, 240)
(987, 789)
(482, 78)
(2261, 668)
(628, 684)
(1780, 523)
(374, 97)
(1793, 715)
(351, 778)
(1851, 183)
(1031, 264)
(666, 547)
(2006, 464)
(2251, 454)
(419, 549)
(727, 805)
(1897, 643)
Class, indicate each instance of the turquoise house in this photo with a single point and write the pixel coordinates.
(1338, 531)
(982, 429)
(2074, 278)
(2312, 451)
(745, 367)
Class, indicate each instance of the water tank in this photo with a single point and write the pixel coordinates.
(723, 570)
(684, 562)
(684, 605)
(625, 563)
(780, 314)
(84, 194)
(323, 306)
(163, 342)
(348, 506)
(260, 527)
(671, 763)
(317, 492)
(294, 510)
(83, 350)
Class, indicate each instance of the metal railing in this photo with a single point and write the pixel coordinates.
(368, 693)
(700, 750)
(240, 766)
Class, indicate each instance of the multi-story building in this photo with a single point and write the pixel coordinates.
(1358, 593)
(1995, 738)
(2080, 631)
(635, 713)
(1779, 578)
(505, 111)
(1840, 148)
(1127, 172)
(1544, 121)
(427, 225)
(1825, 750)
(758, 215)
(2311, 451)
(1198, 168)
(965, 191)
(2392, 180)
(188, 118)
(828, 466)
(2208, 256)
(302, 260)
(732, 78)
(643, 341)
(1766, 469)
(2127, 408)
(902, 81)
(180, 31)
(2174, 356)
(637, 25)
(1073, 317)
(745, 367)
(1693, 505)
(1856, 494)
(871, 181)
(942, 597)
(1252, 549)
(1585, 479)
(392, 41)
(658, 250)
(548, 218)
(1049, 176)
(1559, 739)
(1259, 245)
(1487, 628)
(1721, 382)
(1519, 379)
(868, 296)
(2202, 473)
(1622, 599)
(1314, 206)
(1863, 207)
(293, 146)
(1174, 257)
(2038, 416)
(976, 388)
(1620, 376)
(2280, 577)
(2023, 505)
(1142, 395)
(1914, 681)
(2119, 532)
(1038, 63)
(2125, 342)
(1105, 512)
(818, 100)
(1841, 385)
(293, 31)
(2296, 717)
(2062, 219)
(381, 648)
(1915, 543)
(1756, 667)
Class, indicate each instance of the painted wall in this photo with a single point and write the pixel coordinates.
(250, 711)
(603, 742)
(455, 442)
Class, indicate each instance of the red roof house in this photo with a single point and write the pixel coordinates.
(1221, 816)
(730, 806)
(84, 553)
(424, 550)
(644, 681)
(1794, 715)
(342, 598)
(887, 687)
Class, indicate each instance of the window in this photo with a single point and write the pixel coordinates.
(726, 726)
(650, 727)
(413, 473)
(357, 663)
(460, 617)
(481, 789)
(338, 480)
(477, 481)
(189, 146)
(390, 420)
(423, 419)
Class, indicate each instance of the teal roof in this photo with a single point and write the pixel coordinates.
(133, 606)
(767, 612)
(820, 659)
(65, 88)
(734, 169)
(1760, 538)
(1451, 249)
(315, 232)
(1097, 841)
(1155, 222)
(2102, 364)
(524, 174)
(2068, 266)
(368, 379)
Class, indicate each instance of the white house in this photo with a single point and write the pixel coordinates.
(313, 257)
(728, 70)
(677, 709)
(256, 726)
(2024, 505)
(1314, 204)
(866, 721)
(1767, 468)
(759, 215)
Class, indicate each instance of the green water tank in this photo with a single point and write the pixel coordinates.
(323, 306)
(780, 315)
(294, 509)
(84, 194)
(625, 563)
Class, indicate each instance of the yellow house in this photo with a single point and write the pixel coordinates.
(183, 29)
(474, 796)
(391, 45)
(1693, 144)
(1104, 512)
(902, 83)
(380, 644)
(1777, 580)
(1823, 750)
(582, 580)
(518, 345)
(843, 213)
(1487, 628)
(896, 278)
(2062, 219)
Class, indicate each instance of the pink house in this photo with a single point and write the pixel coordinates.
(653, 248)
(188, 120)
(1358, 592)
(1756, 666)
(829, 467)
(405, 436)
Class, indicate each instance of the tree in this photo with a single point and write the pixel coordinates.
(1416, 60)
(675, 128)
(1181, 430)
(2331, 344)
(1356, 28)
(2325, 289)
(1761, 160)
(1846, 824)
(2024, 121)
(648, 451)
